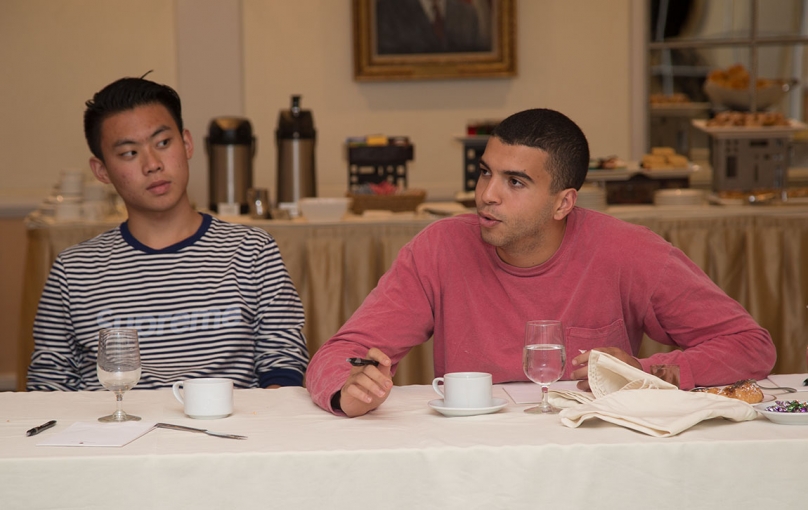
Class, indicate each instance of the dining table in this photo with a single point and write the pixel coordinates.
(758, 254)
(402, 455)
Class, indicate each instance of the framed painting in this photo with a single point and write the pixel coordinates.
(433, 39)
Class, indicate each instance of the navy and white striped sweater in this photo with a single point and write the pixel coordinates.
(219, 304)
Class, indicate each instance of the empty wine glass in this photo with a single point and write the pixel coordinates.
(544, 358)
(118, 366)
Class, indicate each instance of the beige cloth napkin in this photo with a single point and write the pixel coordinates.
(606, 375)
(631, 398)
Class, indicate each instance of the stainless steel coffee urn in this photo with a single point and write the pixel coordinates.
(295, 137)
(230, 145)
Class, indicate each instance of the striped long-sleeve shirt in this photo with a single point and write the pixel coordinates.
(219, 304)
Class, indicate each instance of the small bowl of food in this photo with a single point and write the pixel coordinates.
(786, 412)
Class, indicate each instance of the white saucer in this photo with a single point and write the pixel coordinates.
(438, 406)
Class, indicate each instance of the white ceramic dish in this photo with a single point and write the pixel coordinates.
(741, 99)
(323, 209)
(715, 199)
(783, 418)
(633, 169)
(750, 131)
(438, 406)
(686, 196)
(679, 109)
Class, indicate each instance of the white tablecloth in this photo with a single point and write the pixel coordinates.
(404, 455)
(756, 254)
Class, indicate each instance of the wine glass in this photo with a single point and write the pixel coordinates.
(544, 358)
(118, 366)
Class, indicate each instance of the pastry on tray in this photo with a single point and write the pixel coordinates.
(663, 158)
(746, 390)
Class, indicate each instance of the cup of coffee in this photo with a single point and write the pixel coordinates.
(205, 399)
(465, 390)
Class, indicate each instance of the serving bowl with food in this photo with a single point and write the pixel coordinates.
(730, 87)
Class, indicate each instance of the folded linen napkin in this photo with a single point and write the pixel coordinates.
(658, 413)
(606, 375)
(568, 398)
(629, 397)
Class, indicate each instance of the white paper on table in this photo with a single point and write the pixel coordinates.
(530, 393)
(788, 380)
(99, 434)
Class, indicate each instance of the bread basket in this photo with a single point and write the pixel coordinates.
(407, 200)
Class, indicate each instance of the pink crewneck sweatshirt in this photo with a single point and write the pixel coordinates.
(609, 282)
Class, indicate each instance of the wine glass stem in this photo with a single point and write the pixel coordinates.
(119, 401)
(545, 397)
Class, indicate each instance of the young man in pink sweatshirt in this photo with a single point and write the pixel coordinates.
(473, 281)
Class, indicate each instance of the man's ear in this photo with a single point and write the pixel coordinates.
(99, 170)
(566, 201)
(188, 142)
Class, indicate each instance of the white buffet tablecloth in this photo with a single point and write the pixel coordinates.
(756, 254)
(404, 455)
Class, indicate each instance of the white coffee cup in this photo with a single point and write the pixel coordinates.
(465, 390)
(205, 399)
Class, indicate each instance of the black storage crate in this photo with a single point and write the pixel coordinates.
(372, 164)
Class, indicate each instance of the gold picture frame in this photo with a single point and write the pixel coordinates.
(392, 41)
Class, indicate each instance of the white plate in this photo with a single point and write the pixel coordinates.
(715, 199)
(438, 406)
(783, 418)
(750, 131)
(633, 168)
(679, 109)
(767, 397)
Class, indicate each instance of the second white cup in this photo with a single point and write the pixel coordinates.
(205, 399)
(465, 390)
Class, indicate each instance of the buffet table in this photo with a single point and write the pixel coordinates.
(404, 455)
(757, 254)
(333, 265)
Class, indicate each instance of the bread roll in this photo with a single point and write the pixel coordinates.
(746, 390)
(662, 151)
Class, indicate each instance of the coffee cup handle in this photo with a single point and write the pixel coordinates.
(176, 389)
(435, 386)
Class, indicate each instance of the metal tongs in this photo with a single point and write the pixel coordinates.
(203, 431)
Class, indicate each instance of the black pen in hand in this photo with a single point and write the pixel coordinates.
(36, 430)
(361, 362)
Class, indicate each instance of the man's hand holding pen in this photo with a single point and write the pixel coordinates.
(368, 385)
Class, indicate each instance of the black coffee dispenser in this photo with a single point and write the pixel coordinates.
(230, 145)
(295, 137)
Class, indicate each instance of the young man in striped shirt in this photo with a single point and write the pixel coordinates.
(208, 298)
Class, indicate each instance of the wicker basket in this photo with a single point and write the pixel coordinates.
(407, 200)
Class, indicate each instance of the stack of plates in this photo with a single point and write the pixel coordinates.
(592, 197)
(679, 197)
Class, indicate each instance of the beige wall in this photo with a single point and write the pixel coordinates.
(53, 55)
(56, 53)
(578, 64)
(231, 57)
(12, 260)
